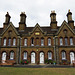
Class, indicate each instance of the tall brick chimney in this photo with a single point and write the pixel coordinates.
(7, 20)
(53, 23)
(22, 23)
(69, 18)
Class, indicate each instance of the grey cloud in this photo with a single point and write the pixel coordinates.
(36, 10)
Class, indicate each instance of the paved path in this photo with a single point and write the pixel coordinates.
(41, 66)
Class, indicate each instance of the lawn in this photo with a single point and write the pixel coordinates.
(36, 71)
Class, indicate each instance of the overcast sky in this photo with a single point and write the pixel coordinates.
(37, 11)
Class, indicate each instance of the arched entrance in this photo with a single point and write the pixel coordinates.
(41, 57)
(71, 56)
(33, 57)
(3, 57)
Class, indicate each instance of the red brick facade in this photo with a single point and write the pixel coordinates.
(53, 32)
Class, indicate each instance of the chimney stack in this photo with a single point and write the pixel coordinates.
(69, 18)
(22, 23)
(53, 23)
(7, 20)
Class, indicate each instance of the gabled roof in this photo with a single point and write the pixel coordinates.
(10, 24)
(36, 26)
(65, 23)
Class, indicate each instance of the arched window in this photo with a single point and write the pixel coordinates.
(11, 55)
(14, 41)
(63, 55)
(49, 41)
(32, 41)
(49, 55)
(66, 41)
(42, 41)
(25, 42)
(4, 55)
(4, 43)
(25, 55)
(37, 41)
(71, 41)
(61, 41)
(9, 41)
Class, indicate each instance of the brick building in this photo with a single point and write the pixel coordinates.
(37, 44)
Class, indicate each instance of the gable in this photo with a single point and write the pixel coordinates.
(10, 28)
(63, 27)
(37, 30)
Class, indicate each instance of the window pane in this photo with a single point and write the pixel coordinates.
(66, 43)
(9, 42)
(63, 55)
(14, 42)
(32, 42)
(11, 55)
(49, 55)
(4, 42)
(71, 41)
(61, 41)
(25, 56)
(42, 42)
(25, 42)
(49, 42)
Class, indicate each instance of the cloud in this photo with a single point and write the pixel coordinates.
(37, 11)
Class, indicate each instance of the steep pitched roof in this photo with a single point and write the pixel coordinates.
(65, 23)
(10, 24)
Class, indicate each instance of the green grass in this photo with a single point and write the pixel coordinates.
(36, 71)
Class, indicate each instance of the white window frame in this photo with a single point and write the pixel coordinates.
(61, 41)
(49, 55)
(49, 41)
(14, 41)
(4, 44)
(42, 42)
(25, 42)
(25, 56)
(71, 41)
(11, 55)
(63, 55)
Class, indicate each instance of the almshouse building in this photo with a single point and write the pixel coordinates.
(37, 44)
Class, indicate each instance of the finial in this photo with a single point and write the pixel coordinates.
(22, 12)
(53, 11)
(7, 13)
(69, 10)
